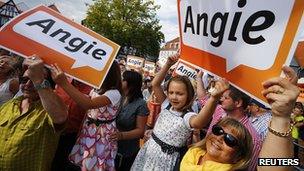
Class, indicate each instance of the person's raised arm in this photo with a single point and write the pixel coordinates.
(202, 119)
(160, 76)
(52, 103)
(81, 99)
(200, 90)
(281, 95)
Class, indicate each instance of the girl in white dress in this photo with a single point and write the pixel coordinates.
(175, 122)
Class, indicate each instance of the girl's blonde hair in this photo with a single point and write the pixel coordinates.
(243, 150)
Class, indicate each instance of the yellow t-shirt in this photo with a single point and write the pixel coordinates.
(295, 130)
(191, 158)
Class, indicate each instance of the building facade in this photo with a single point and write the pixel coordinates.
(168, 49)
(8, 10)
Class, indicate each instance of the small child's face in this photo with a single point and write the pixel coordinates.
(297, 111)
(177, 95)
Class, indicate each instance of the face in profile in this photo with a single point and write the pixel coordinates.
(221, 144)
(177, 95)
(227, 102)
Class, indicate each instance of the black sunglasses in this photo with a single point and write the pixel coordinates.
(23, 80)
(229, 139)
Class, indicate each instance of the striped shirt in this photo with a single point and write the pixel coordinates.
(260, 123)
(219, 113)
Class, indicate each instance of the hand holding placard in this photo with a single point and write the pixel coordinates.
(172, 59)
(220, 87)
(35, 69)
(58, 75)
(281, 94)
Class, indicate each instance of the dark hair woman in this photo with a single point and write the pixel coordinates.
(131, 120)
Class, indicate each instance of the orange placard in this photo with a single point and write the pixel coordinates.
(80, 52)
(246, 42)
(299, 54)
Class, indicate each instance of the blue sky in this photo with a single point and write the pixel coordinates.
(76, 10)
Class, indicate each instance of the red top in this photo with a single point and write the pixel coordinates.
(75, 112)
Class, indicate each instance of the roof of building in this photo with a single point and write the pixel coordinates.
(53, 6)
(8, 9)
(22, 6)
(171, 45)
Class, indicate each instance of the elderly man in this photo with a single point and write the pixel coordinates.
(30, 124)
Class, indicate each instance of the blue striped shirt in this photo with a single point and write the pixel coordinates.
(260, 123)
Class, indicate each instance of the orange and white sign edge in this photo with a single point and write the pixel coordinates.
(45, 10)
(220, 74)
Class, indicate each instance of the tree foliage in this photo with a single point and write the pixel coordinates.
(130, 23)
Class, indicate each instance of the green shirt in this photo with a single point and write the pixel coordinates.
(27, 141)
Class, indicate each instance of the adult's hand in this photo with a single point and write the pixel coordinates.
(116, 136)
(35, 69)
(220, 87)
(290, 75)
(199, 75)
(281, 94)
(58, 75)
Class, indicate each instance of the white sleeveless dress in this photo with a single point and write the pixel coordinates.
(170, 128)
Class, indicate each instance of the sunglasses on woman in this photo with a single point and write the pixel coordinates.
(229, 139)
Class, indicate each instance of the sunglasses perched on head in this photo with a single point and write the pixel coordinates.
(229, 139)
(23, 80)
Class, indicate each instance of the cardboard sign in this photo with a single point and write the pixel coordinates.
(150, 67)
(246, 42)
(185, 69)
(135, 62)
(162, 60)
(80, 52)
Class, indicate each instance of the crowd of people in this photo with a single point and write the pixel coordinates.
(138, 122)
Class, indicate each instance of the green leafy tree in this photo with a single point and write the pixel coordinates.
(130, 23)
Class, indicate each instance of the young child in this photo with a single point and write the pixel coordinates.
(93, 149)
(175, 122)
